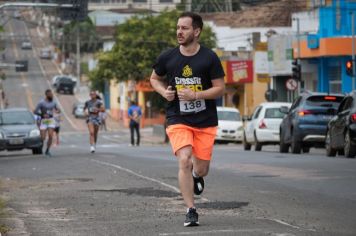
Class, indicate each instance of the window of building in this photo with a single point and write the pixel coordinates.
(334, 74)
(139, 1)
(165, 1)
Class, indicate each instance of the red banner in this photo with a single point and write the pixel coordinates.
(239, 72)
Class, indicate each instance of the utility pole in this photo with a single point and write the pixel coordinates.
(353, 48)
(78, 55)
(188, 5)
(298, 53)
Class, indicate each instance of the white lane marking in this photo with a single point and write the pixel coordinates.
(49, 84)
(138, 175)
(115, 140)
(143, 177)
(287, 224)
(232, 231)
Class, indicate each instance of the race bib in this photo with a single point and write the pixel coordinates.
(191, 107)
(92, 110)
(48, 121)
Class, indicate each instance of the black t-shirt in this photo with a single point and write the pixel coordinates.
(195, 72)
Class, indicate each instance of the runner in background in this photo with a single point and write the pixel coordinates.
(93, 107)
(46, 109)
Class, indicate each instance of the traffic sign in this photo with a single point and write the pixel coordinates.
(291, 84)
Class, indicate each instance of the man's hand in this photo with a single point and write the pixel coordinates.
(169, 94)
(186, 94)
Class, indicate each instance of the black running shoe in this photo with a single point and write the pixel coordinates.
(191, 218)
(198, 185)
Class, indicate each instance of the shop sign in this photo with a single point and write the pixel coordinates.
(239, 72)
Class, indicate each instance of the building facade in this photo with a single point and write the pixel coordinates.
(153, 5)
(325, 44)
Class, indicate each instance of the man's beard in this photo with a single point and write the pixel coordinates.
(50, 99)
(188, 40)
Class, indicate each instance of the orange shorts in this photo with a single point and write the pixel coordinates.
(201, 139)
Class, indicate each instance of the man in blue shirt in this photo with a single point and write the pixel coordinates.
(135, 114)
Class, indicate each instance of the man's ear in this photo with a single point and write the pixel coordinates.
(197, 32)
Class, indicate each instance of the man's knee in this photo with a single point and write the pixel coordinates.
(201, 171)
(185, 163)
(185, 159)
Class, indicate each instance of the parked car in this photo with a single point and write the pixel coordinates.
(46, 53)
(57, 77)
(79, 111)
(18, 130)
(341, 132)
(17, 15)
(26, 45)
(262, 128)
(65, 84)
(230, 125)
(305, 124)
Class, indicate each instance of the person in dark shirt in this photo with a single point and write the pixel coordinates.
(135, 114)
(190, 77)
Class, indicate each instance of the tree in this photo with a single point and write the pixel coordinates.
(138, 43)
(89, 40)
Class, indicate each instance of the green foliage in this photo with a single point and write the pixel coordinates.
(139, 41)
(84, 68)
(3, 228)
(89, 40)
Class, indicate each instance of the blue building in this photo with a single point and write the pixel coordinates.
(325, 44)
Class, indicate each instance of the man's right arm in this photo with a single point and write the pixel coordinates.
(37, 109)
(160, 87)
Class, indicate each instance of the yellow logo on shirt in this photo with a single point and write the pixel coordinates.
(187, 71)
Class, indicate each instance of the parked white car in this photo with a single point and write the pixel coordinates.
(46, 53)
(262, 128)
(230, 126)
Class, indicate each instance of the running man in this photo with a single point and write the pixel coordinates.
(46, 109)
(93, 107)
(190, 77)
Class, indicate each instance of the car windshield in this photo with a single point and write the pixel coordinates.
(274, 113)
(229, 115)
(16, 118)
(324, 101)
(64, 79)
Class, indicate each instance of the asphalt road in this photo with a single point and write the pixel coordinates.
(124, 190)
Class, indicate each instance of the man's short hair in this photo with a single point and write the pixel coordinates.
(197, 21)
(48, 91)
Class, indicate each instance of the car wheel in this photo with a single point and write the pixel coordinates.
(283, 147)
(258, 145)
(37, 151)
(296, 146)
(349, 147)
(330, 151)
(247, 146)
